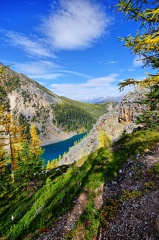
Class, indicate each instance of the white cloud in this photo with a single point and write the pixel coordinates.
(112, 62)
(46, 76)
(71, 25)
(75, 24)
(98, 87)
(108, 62)
(102, 81)
(86, 76)
(130, 69)
(82, 91)
(137, 62)
(44, 70)
(32, 47)
(35, 69)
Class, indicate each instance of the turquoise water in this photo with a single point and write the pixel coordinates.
(52, 151)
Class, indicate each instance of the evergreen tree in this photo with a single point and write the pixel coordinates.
(144, 44)
(150, 117)
(5, 179)
(29, 166)
(30, 163)
(8, 80)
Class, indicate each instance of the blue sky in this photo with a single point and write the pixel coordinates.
(69, 46)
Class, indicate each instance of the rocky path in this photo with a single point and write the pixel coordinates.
(66, 222)
(136, 216)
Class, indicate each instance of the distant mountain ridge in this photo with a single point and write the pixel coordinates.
(103, 99)
(56, 118)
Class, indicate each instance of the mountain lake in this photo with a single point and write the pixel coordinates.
(52, 151)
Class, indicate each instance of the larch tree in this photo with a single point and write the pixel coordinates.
(103, 139)
(11, 138)
(145, 45)
(3, 162)
(146, 42)
(35, 141)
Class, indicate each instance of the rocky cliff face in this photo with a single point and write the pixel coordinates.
(114, 123)
(36, 105)
(33, 103)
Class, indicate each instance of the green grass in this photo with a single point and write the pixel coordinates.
(61, 187)
(129, 146)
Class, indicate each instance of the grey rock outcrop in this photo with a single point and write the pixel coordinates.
(114, 123)
(32, 103)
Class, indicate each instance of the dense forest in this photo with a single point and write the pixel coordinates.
(72, 118)
(78, 116)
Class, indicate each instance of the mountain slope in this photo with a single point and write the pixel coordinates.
(55, 117)
(114, 124)
(86, 200)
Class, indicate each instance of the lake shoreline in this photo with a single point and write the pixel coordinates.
(57, 140)
(56, 150)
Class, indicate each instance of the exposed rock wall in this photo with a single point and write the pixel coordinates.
(33, 102)
(114, 123)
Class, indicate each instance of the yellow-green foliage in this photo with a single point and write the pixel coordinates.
(10, 136)
(103, 139)
(52, 164)
(109, 210)
(145, 42)
(112, 205)
(150, 185)
(35, 141)
(154, 169)
(126, 195)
